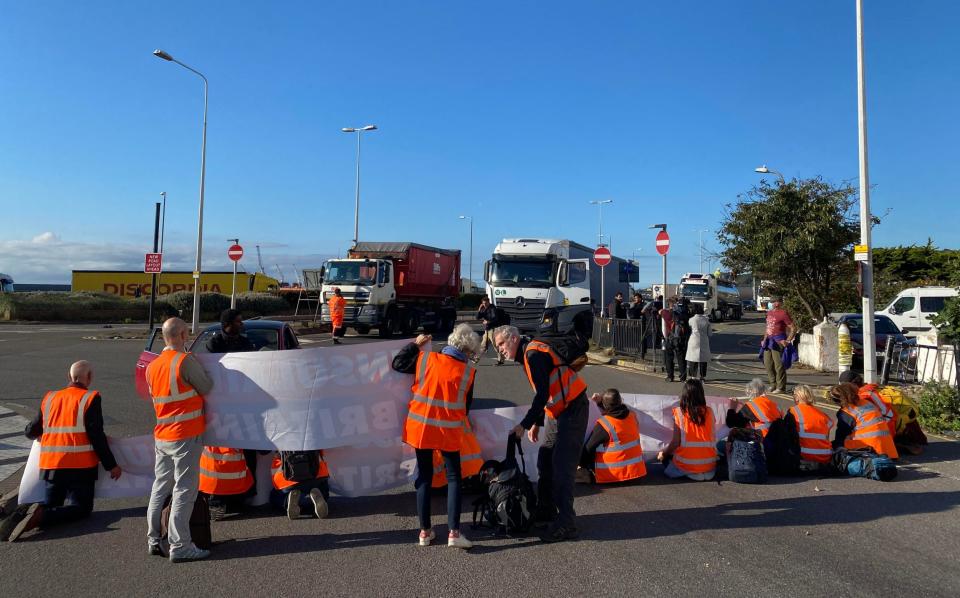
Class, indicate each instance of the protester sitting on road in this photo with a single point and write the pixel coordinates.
(227, 475)
(613, 452)
(307, 491)
(869, 392)
(488, 314)
(860, 424)
(698, 346)
(72, 445)
(560, 406)
(693, 450)
(813, 429)
(758, 412)
(177, 384)
(442, 394)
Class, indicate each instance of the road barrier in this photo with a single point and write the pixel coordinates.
(912, 363)
(634, 338)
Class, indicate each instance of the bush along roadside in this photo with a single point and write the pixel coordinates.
(939, 407)
(102, 307)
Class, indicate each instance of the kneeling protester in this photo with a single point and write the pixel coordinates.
(300, 480)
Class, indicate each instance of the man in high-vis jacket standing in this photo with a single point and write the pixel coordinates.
(72, 447)
(560, 407)
(177, 385)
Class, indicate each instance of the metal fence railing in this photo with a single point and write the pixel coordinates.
(912, 363)
(635, 338)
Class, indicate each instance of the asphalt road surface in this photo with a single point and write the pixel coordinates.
(798, 536)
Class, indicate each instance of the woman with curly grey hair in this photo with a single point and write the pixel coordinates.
(436, 419)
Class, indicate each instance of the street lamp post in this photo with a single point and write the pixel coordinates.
(356, 206)
(470, 267)
(700, 232)
(163, 226)
(195, 325)
(603, 282)
(866, 266)
(764, 170)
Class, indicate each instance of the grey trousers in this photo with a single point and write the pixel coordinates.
(558, 459)
(176, 472)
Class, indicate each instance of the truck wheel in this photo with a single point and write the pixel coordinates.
(411, 324)
(387, 325)
(362, 329)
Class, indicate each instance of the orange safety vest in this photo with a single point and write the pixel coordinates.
(813, 428)
(697, 452)
(64, 443)
(868, 392)
(870, 430)
(470, 459)
(766, 412)
(438, 409)
(337, 310)
(179, 407)
(565, 384)
(280, 482)
(224, 471)
(621, 458)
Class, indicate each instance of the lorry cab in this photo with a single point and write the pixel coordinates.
(912, 309)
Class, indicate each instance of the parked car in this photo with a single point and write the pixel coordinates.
(884, 328)
(912, 309)
(266, 335)
(748, 305)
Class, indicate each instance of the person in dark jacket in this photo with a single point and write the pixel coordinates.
(617, 309)
(560, 452)
(73, 485)
(230, 339)
(488, 315)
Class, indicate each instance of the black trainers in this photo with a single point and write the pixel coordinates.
(155, 550)
(560, 534)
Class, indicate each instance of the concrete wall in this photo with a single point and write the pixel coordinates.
(819, 350)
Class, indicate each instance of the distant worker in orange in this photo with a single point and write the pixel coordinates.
(338, 306)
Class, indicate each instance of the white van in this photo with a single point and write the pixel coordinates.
(912, 308)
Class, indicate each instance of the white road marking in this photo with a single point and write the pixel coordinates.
(14, 446)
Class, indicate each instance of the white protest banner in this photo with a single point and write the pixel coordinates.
(306, 399)
(386, 463)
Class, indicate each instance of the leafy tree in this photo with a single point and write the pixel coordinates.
(799, 237)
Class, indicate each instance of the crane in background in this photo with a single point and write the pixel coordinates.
(260, 261)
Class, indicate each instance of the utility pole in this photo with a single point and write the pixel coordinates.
(866, 266)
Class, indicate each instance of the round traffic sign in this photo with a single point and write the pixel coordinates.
(235, 253)
(663, 242)
(601, 256)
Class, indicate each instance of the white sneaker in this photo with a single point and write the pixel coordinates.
(427, 537)
(320, 506)
(293, 504)
(190, 553)
(456, 540)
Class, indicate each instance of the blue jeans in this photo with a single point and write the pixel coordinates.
(80, 497)
(278, 498)
(451, 459)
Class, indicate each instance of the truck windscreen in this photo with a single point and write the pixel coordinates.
(694, 291)
(351, 273)
(523, 273)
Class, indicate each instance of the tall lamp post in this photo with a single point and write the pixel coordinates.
(195, 325)
(700, 232)
(470, 267)
(356, 206)
(764, 170)
(603, 282)
(866, 261)
(163, 225)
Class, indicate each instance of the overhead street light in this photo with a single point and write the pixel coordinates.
(356, 207)
(600, 203)
(764, 170)
(195, 325)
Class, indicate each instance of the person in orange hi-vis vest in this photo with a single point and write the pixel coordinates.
(69, 426)
(559, 406)
(338, 307)
(758, 411)
(860, 424)
(436, 419)
(177, 384)
(870, 392)
(813, 430)
(303, 495)
(471, 460)
(693, 450)
(613, 451)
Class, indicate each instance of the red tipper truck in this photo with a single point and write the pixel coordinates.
(395, 287)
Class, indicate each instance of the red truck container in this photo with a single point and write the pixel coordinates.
(422, 272)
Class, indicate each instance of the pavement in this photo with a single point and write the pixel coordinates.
(791, 536)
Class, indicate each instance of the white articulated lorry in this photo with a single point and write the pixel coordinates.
(720, 299)
(543, 283)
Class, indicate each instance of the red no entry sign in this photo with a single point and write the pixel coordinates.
(601, 256)
(153, 263)
(663, 242)
(235, 253)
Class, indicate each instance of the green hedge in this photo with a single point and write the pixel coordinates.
(939, 407)
(103, 307)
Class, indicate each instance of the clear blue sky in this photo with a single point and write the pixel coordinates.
(517, 113)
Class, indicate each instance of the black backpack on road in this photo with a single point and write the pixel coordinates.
(510, 501)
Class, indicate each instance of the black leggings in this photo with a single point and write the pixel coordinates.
(451, 460)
